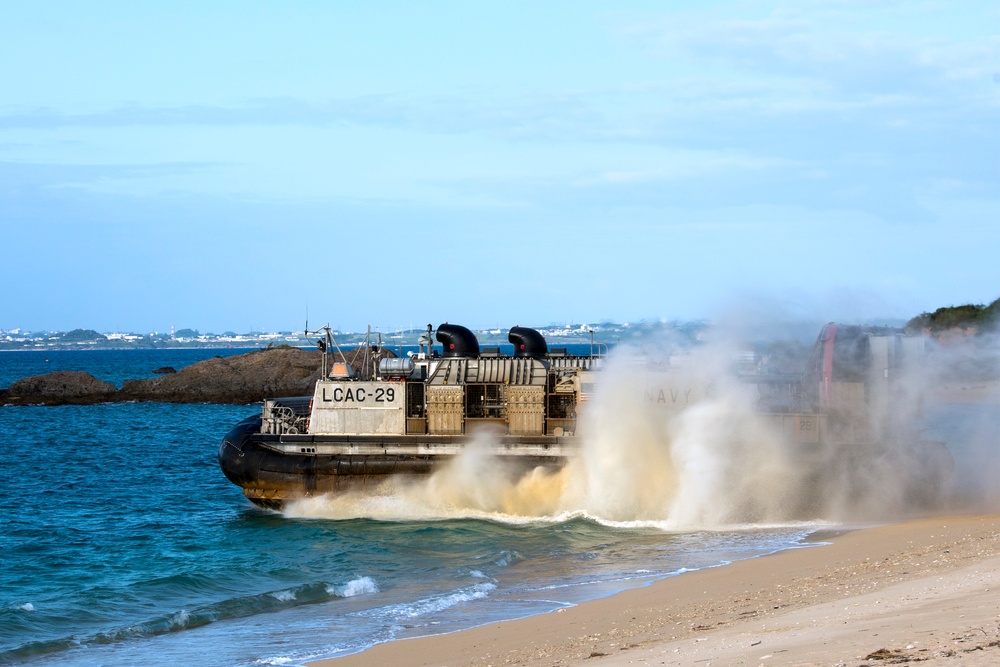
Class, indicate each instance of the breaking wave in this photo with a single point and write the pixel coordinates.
(359, 586)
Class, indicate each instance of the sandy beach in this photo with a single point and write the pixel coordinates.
(923, 591)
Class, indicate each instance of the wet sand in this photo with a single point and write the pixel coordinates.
(923, 591)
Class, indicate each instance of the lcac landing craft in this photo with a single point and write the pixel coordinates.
(404, 416)
(407, 416)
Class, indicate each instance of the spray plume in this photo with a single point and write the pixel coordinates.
(678, 441)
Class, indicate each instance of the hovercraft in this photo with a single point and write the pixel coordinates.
(405, 416)
(373, 417)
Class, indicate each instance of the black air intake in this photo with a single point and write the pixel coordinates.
(528, 343)
(458, 341)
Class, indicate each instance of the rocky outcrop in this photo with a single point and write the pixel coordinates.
(59, 388)
(246, 378)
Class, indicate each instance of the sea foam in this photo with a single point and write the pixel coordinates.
(359, 586)
(283, 596)
(434, 603)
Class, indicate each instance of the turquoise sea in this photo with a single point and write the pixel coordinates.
(123, 544)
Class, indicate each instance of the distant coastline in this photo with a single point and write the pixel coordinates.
(969, 320)
(88, 339)
(112, 348)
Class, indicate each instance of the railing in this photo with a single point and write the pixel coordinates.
(286, 415)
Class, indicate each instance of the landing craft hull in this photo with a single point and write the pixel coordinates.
(275, 469)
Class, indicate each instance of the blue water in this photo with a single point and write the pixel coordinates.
(122, 544)
(114, 366)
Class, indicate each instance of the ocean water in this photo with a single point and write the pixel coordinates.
(114, 366)
(122, 543)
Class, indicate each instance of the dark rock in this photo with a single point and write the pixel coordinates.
(60, 388)
(163, 370)
(246, 378)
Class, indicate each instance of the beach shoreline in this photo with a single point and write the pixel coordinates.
(923, 590)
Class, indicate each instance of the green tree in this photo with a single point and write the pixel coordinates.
(982, 318)
(82, 335)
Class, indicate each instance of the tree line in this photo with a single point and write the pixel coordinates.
(980, 317)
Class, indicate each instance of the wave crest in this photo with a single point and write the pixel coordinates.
(359, 586)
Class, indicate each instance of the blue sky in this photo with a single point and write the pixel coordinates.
(235, 165)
